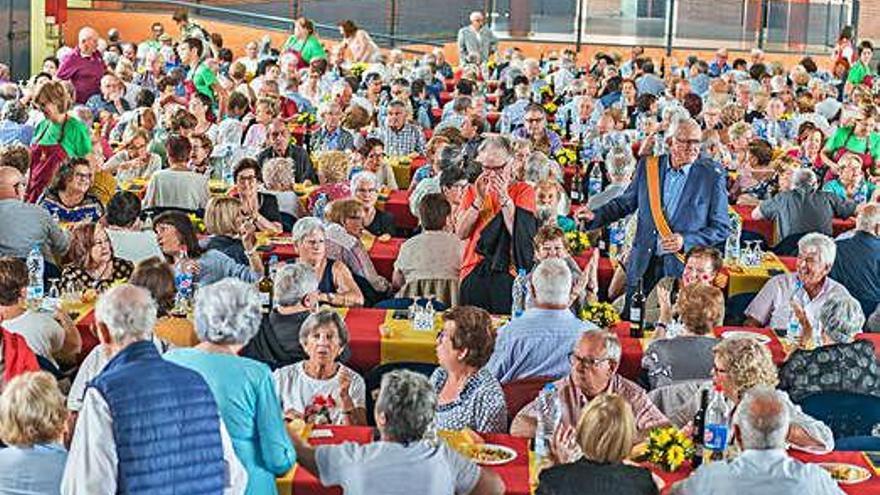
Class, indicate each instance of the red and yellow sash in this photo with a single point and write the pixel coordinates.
(652, 168)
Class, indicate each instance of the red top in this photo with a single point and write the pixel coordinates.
(17, 357)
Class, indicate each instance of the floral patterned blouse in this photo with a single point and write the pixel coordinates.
(480, 405)
(75, 274)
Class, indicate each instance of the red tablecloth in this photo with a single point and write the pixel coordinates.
(606, 268)
(515, 474)
(398, 205)
(765, 227)
(383, 254)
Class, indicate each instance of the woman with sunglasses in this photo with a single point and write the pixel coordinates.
(68, 198)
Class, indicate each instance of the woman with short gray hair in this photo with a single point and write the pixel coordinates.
(839, 363)
(320, 389)
(401, 462)
(227, 315)
(336, 283)
(365, 188)
(278, 180)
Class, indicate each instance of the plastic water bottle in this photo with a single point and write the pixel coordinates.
(716, 435)
(320, 205)
(273, 266)
(793, 332)
(594, 184)
(518, 294)
(52, 301)
(228, 176)
(35, 267)
(549, 416)
(731, 246)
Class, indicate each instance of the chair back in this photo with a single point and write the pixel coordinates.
(373, 381)
(518, 393)
(444, 289)
(847, 414)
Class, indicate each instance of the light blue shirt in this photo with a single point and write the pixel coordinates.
(536, 344)
(673, 185)
(759, 472)
(32, 471)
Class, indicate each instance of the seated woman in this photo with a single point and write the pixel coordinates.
(593, 459)
(468, 396)
(278, 181)
(258, 207)
(850, 184)
(686, 352)
(839, 363)
(552, 207)
(550, 243)
(333, 177)
(54, 337)
(134, 161)
(156, 276)
(372, 154)
(222, 223)
(378, 222)
(89, 262)
(346, 217)
(32, 425)
(227, 314)
(177, 239)
(68, 198)
(306, 386)
(432, 167)
(336, 283)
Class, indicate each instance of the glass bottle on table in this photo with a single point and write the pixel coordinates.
(699, 425)
(266, 287)
(637, 312)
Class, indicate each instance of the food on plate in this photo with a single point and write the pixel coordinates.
(487, 453)
(846, 473)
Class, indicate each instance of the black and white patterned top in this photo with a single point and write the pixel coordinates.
(74, 274)
(480, 405)
(849, 367)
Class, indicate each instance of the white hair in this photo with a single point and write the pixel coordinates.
(293, 283)
(227, 312)
(362, 176)
(475, 15)
(763, 419)
(822, 243)
(804, 178)
(408, 402)
(868, 219)
(305, 226)
(321, 319)
(552, 282)
(841, 318)
(612, 343)
(325, 107)
(128, 311)
(86, 33)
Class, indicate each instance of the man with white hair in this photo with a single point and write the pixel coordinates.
(84, 66)
(718, 66)
(806, 289)
(538, 342)
(476, 40)
(857, 265)
(331, 136)
(764, 467)
(143, 413)
(802, 209)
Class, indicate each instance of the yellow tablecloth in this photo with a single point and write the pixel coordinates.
(749, 280)
(400, 342)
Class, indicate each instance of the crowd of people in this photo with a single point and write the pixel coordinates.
(144, 171)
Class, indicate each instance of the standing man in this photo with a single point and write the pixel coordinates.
(476, 40)
(681, 201)
(203, 78)
(84, 66)
(152, 44)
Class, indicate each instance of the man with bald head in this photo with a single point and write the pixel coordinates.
(23, 224)
(764, 467)
(690, 208)
(84, 66)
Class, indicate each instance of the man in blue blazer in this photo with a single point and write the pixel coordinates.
(693, 194)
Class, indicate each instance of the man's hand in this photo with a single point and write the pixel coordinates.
(673, 243)
(584, 215)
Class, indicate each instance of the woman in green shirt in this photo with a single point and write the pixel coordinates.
(851, 185)
(856, 138)
(58, 138)
(861, 69)
(304, 42)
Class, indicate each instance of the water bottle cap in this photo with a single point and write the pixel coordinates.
(550, 387)
(717, 387)
(521, 271)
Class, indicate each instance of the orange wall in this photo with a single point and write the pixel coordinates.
(136, 26)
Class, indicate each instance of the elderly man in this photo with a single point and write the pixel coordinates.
(808, 288)
(762, 422)
(647, 82)
(476, 41)
(719, 65)
(400, 463)
(110, 99)
(400, 137)
(802, 209)
(629, 67)
(689, 202)
(840, 363)
(25, 225)
(512, 115)
(497, 215)
(857, 265)
(84, 66)
(331, 136)
(594, 360)
(579, 117)
(124, 443)
(535, 130)
(279, 145)
(538, 342)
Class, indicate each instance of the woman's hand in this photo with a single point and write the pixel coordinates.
(563, 446)
(248, 233)
(664, 299)
(344, 384)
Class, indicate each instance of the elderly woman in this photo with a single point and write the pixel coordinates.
(809, 151)
(552, 205)
(223, 222)
(433, 166)
(683, 348)
(344, 243)
(278, 181)
(227, 314)
(32, 425)
(372, 155)
(200, 156)
(256, 206)
(365, 185)
(336, 284)
(839, 363)
(858, 137)
(468, 396)
(89, 262)
(332, 175)
(135, 161)
(850, 184)
(404, 414)
(68, 198)
(320, 389)
(596, 462)
(550, 243)
(14, 127)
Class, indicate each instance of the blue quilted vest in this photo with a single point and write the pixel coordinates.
(165, 424)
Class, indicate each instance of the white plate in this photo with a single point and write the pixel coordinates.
(507, 450)
(865, 474)
(742, 334)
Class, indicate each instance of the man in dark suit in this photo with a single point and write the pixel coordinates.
(693, 196)
(279, 145)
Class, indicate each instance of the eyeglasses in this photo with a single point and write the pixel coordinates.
(718, 371)
(367, 190)
(534, 121)
(247, 178)
(82, 176)
(586, 362)
(688, 143)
